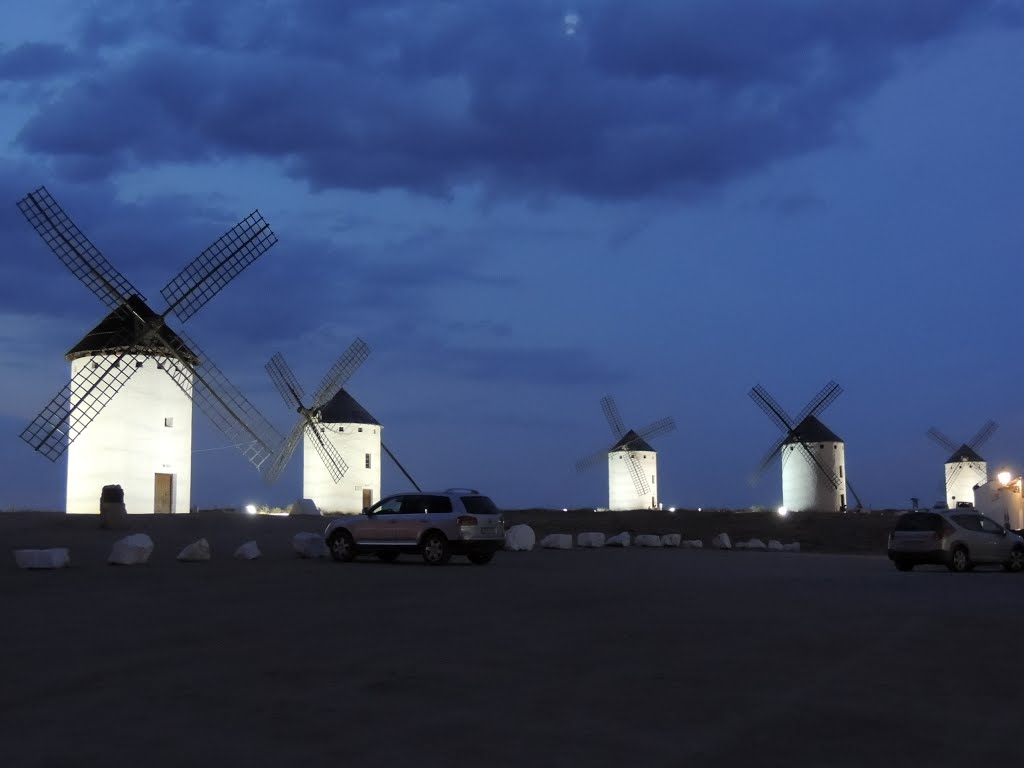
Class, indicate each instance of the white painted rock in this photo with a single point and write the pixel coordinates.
(303, 507)
(557, 541)
(520, 538)
(794, 547)
(721, 541)
(756, 544)
(590, 539)
(131, 550)
(671, 539)
(618, 540)
(310, 545)
(774, 545)
(647, 540)
(248, 551)
(693, 544)
(56, 557)
(196, 552)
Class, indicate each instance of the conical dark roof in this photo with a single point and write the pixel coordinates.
(344, 409)
(631, 441)
(964, 453)
(121, 330)
(810, 430)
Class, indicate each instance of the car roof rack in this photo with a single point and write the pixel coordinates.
(461, 490)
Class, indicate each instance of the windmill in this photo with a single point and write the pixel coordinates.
(142, 439)
(813, 457)
(335, 425)
(964, 468)
(631, 460)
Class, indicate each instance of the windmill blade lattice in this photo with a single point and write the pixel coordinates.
(942, 440)
(983, 434)
(341, 372)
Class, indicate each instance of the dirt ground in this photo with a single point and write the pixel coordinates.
(547, 658)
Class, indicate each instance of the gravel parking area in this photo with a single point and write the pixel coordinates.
(584, 657)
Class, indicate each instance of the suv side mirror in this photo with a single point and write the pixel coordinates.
(366, 511)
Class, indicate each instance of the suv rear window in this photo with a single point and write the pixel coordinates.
(919, 521)
(480, 505)
(418, 505)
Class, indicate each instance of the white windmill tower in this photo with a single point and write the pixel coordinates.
(340, 431)
(813, 456)
(631, 461)
(965, 468)
(142, 439)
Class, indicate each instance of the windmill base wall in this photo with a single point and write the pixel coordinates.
(347, 494)
(805, 487)
(144, 431)
(961, 477)
(622, 493)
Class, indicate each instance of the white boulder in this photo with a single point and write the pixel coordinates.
(56, 557)
(774, 545)
(309, 545)
(590, 539)
(721, 541)
(618, 540)
(196, 552)
(303, 507)
(693, 544)
(131, 550)
(757, 544)
(671, 539)
(248, 551)
(647, 540)
(793, 547)
(520, 538)
(557, 541)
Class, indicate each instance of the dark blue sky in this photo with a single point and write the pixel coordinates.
(524, 205)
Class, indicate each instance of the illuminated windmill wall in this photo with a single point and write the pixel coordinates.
(357, 437)
(965, 468)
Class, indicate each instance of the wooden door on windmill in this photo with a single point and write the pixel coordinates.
(367, 497)
(163, 493)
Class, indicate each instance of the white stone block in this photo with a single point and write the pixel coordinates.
(774, 545)
(131, 550)
(757, 544)
(671, 539)
(557, 541)
(310, 545)
(303, 507)
(55, 557)
(590, 539)
(196, 552)
(618, 540)
(520, 538)
(647, 540)
(722, 541)
(793, 547)
(248, 551)
(693, 544)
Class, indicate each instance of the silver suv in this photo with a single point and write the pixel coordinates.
(957, 538)
(458, 521)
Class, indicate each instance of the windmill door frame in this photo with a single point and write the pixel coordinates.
(163, 493)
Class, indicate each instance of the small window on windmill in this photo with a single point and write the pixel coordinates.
(341, 429)
(367, 461)
(840, 470)
(168, 421)
(821, 445)
(160, 365)
(138, 363)
(360, 429)
(95, 365)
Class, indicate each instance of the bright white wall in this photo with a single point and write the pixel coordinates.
(622, 493)
(127, 443)
(804, 486)
(347, 494)
(961, 488)
(1003, 503)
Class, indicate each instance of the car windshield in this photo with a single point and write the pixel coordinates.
(480, 505)
(919, 521)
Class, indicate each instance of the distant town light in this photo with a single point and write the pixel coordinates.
(250, 508)
(782, 511)
(565, 509)
(1004, 477)
(671, 509)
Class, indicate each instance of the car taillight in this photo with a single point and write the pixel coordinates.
(466, 521)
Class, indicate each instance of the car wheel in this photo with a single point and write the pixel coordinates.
(435, 549)
(343, 549)
(903, 565)
(480, 558)
(959, 560)
(1016, 562)
(387, 557)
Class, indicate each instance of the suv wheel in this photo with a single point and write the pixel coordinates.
(343, 549)
(435, 549)
(959, 560)
(480, 558)
(1016, 562)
